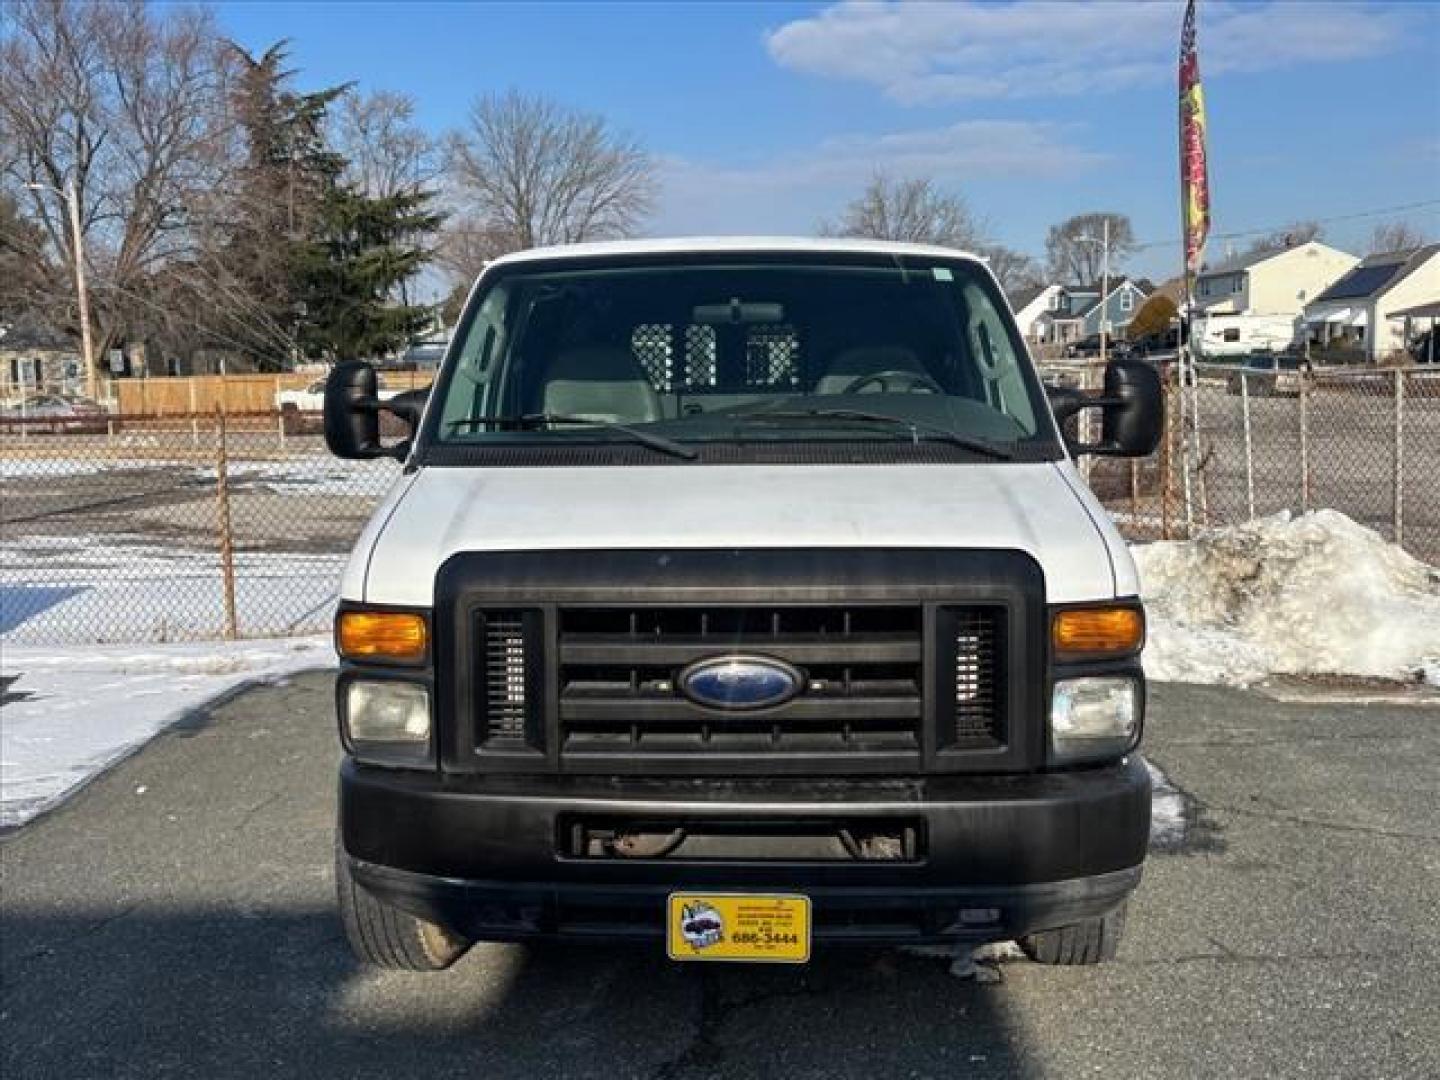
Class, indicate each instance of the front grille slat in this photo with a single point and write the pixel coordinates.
(797, 649)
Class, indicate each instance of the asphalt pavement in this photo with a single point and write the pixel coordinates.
(175, 919)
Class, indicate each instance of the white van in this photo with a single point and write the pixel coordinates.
(741, 597)
(1222, 336)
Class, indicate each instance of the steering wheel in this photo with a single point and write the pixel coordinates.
(896, 381)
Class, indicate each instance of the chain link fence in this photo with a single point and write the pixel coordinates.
(191, 526)
(1245, 442)
(204, 525)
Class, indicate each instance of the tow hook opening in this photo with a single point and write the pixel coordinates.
(749, 841)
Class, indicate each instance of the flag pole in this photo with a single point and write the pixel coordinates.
(1194, 226)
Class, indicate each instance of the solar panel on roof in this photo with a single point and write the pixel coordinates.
(1362, 281)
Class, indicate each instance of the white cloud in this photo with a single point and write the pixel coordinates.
(921, 53)
(791, 192)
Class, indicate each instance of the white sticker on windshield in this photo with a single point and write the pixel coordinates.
(942, 273)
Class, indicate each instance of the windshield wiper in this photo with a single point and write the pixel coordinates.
(917, 428)
(530, 421)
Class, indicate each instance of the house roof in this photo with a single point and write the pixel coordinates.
(1023, 298)
(26, 331)
(1115, 286)
(1236, 263)
(1419, 311)
(1376, 274)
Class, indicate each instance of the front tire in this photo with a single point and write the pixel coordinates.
(1090, 941)
(386, 936)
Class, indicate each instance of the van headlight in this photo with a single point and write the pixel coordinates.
(388, 720)
(1094, 718)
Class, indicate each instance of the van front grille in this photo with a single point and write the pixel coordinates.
(884, 662)
(861, 667)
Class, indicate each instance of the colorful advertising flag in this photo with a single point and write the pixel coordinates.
(1194, 174)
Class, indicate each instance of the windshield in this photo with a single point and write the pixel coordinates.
(729, 353)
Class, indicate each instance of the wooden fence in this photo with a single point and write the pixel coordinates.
(197, 394)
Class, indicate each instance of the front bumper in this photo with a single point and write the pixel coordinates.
(1000, 855)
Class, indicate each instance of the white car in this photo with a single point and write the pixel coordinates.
(743, 577)
(312, 397)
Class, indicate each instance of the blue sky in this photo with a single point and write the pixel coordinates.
(767, 117)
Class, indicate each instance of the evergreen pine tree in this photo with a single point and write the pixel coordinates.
(348, 274)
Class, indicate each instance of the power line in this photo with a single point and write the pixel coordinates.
(1243, 233)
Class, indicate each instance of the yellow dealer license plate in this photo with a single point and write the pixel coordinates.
(752, 927)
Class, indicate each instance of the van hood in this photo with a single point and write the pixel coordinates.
(1040, 508)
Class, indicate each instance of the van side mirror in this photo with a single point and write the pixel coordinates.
(352, 414)
(1133, 416)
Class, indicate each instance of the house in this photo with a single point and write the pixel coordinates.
(1063, 316)
(1075, 311)
(1029, 304)
(1270, 282)
(1365, 310)
(1125, 299)
(34, 356)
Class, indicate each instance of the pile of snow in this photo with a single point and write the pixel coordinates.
(70, 713)
(1315, 594)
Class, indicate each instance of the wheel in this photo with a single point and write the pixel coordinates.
(383, 935)
(1090, 941)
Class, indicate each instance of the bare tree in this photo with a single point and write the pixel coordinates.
(1014, 269)
(528, 171)
(387, 152)
(1396, 236)
(1073, 248)
(467, 243)
(1292, 235)
(126, 106)
(914, 210)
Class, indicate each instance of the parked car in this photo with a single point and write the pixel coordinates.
(312, 397)
(1089, 347)
(1269, 375)
(56, 414)
(788, 639)
(1161, 341)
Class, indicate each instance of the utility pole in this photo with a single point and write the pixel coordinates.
(71, 199)
(1103, 307)
(1104, 289)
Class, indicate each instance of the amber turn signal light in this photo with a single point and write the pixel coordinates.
(1098, 631)
(382, 635)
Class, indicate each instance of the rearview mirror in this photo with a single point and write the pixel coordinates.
(352, 414)
(737, 312)
(1134, 411)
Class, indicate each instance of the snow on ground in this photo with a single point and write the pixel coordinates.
(69, 713)
(1314, 594)
(51, 468)
(1168, 823)
(310, 475)
(139, 590)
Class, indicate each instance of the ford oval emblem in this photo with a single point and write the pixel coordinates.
(740, 682)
